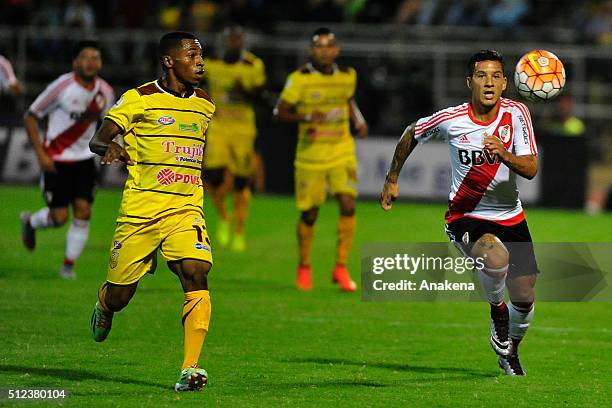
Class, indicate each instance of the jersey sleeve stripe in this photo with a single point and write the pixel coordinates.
(442, 114)
(420, 131)
(525, 112)
(508, 103)
(107, 88)
(424, 127)
(51, 95)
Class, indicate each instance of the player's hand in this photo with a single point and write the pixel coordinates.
(362, 130)
(316, 117)
(389, 194)
(116, 153)
(16, 89)
(496, 146)
(46, 163)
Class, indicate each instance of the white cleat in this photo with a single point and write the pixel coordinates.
(67, 272)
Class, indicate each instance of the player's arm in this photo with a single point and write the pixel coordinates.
(256, 92)
(360, 123)
(286, 108)
(45, 162)
(286, 112)
(404, 147)
(524, 165)
(103, 145)
(248, 94)
(15, 88)
(8, 80)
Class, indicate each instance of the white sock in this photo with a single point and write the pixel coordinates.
(493, 282)
(76, 238)
(41, 219)
(520, 320)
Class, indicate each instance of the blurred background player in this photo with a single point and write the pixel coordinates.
(491, 142)
(164, 124)
(319, 96)
(8, 81)
(236, 78)
(68, 110)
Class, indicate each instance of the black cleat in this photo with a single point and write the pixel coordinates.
(28, 234)
(511, 365)
(500, 326)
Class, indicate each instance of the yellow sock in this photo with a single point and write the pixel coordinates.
(102, 298)
(305, 235)
(196, 316)
(346, 231)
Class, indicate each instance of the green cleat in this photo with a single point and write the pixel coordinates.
(223, 233)
(191, 379)
(101, 323)
(238, 243)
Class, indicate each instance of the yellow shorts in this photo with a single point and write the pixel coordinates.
(133, 253)
(235, 154)
(311, 185)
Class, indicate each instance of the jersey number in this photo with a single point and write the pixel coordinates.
(199, 232)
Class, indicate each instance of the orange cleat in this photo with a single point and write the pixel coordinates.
(342, 277)
(304, 277)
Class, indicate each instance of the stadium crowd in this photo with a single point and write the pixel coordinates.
(591, 18)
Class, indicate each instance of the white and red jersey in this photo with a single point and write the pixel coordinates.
(7, 76)
(482, 187)
(72, 113)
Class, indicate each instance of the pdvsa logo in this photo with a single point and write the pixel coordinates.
(166, 176)
(165, 120)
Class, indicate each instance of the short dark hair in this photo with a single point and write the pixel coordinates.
(81, 45)
(483, 55)
(320, 31)
(170, 41)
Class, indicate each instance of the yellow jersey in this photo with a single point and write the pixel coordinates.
(329, 144)
(164, 134)
(234, 116)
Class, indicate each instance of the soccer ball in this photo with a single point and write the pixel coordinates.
(539, 76)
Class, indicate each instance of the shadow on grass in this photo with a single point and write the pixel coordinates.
(458, 372)
(77, 375)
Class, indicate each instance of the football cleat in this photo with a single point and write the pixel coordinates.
(304, 277)
(101, 323)
(191, 379)
(67, 272)
(28, 234)
(511, 365)
(223, 233)
(342, 277)
(238, 243)
(500, 326)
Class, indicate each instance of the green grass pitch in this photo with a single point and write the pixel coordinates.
(270, 345)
